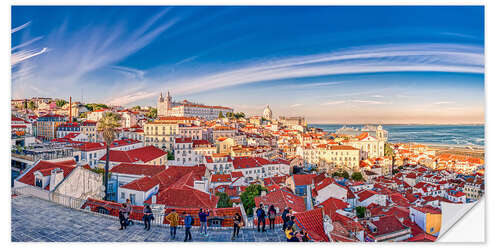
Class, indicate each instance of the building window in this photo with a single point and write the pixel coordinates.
(122, 195)
(38, 182)
(132, 198)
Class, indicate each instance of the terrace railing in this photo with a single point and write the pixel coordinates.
(110, 209)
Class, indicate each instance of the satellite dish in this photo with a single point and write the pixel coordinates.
(103, 188)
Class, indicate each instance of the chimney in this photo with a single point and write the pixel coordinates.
(70, 109)
(56, 177)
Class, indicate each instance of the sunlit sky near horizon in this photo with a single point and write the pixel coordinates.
(337, 64)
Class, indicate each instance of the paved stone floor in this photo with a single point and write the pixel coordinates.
(36, 220)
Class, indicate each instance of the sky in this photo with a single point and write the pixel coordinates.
(335, 64)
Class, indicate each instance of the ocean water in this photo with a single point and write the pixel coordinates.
(463, 135)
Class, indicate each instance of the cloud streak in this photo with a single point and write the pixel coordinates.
(370, 59)
(16, 29)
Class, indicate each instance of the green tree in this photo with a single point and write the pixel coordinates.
(83, 115)
(357, 176)
(221, 115)
(224, 200)
(107, 125)
(61, 103)
(229, 115)
(360, 212)
(31, 105)
(388, 150)
(170, 156)
(136, 107)
(153, 113)
(95, 106)
(247, 197)
(342, 173)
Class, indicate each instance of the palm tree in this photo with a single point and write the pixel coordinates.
(107, 125)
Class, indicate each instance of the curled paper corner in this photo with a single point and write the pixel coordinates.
(452, 213)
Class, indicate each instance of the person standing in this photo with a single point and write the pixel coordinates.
(129, 211)
(173, 220)
(261, 218)
(271, 214)
(284, 217)
(188, 222)
(237, 224)
(122, 214)
(148, 215)
(203, 214)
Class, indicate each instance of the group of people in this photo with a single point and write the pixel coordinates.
(292, 233)
(173, 218)
(261, 217)
(124, 214)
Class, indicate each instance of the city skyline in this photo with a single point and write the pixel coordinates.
(334, 64)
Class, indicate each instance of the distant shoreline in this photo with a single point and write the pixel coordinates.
(400, 124)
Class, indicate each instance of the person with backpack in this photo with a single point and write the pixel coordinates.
(284, 217)
(271, 214)
(188, 223)
(203, 220)
(237, 224)
(122, 214)
(148, 216)
(173, 220)
(261, 218)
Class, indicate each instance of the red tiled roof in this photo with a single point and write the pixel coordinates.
(45, 167)
(333, 204)
(186, 197)
(173, 173)
(183, 140)
(249, 162)
(281, 199)
(92, 146)
(386, 225)
(143, 184)
(365, 194)
(312, 222)
(137, 169)
(200, 142)
(144, 154)
(303, 179)
(221, 178)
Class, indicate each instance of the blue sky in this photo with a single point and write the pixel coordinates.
(377, 64)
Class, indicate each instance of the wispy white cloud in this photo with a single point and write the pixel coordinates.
(373, 59)
(296, 105)
(338, 102)
(24, 44)
(94, 48)
(333, 103)
(18, 28)
(368, 102)
(442, 103)
(377, 96)
(130, 72)
(21, 56)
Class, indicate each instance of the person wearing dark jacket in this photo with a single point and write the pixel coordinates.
(236, 225)
(188, 221)
(203, 220)
(284, 217)
(271, 214)
(148, 215)
(122, 214)
(261, 218)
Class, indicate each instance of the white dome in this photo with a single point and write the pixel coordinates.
(268, 114)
